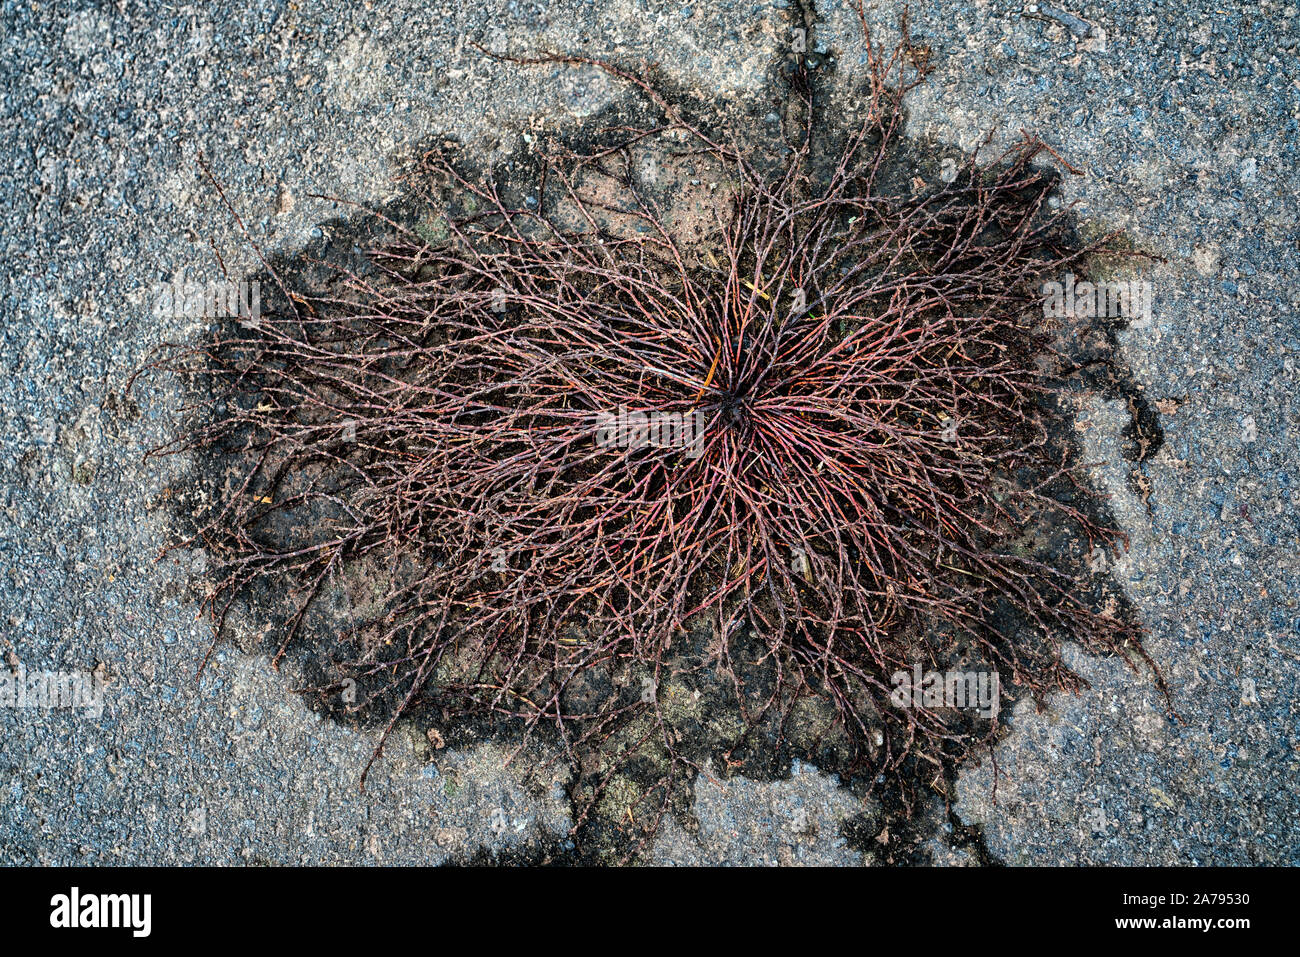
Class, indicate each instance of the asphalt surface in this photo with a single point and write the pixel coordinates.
(1184, 120)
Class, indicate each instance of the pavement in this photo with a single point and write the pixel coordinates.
(1184, 118)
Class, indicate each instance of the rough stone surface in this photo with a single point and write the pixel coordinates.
(1183, 117)
(742, 822)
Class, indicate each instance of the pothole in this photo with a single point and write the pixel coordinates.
(672, 442)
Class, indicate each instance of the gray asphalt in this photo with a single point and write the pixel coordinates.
(1184, 118)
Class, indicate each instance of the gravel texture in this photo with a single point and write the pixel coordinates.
(1184, 118)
